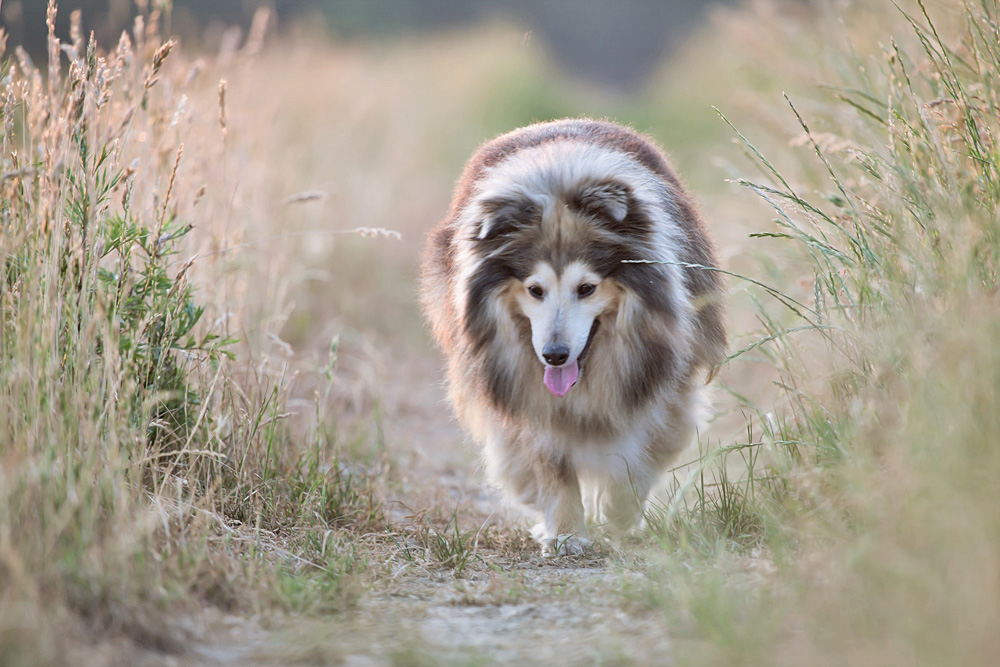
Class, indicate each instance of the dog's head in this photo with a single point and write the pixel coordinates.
(562, 251)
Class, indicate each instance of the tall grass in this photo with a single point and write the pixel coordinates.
(141, 460)
(869, 493)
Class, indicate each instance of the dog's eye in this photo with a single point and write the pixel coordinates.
(585, 290)
(536, 291)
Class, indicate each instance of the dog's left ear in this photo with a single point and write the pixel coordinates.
(607, 199)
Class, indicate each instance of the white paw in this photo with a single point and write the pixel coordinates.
(564, 545)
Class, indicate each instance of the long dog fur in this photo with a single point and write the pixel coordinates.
(601, 197)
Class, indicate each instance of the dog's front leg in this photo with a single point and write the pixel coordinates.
(562, 530)
(546, 483)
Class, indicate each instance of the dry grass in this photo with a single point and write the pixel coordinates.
(863, 497)
(146, 399)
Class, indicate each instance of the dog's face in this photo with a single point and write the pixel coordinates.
(557, 254)
(563, 309)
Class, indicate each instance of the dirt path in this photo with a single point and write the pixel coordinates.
(531, 612)
(559, 613)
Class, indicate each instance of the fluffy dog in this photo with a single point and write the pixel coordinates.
(570, 288)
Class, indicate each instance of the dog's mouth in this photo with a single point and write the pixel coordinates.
(559, 379)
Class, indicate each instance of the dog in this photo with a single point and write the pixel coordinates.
(572, 289)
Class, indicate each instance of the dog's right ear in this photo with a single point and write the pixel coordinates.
(607, 199)
(503, 215)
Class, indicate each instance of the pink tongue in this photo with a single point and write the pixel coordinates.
(560, 379)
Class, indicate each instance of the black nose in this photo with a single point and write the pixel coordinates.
(556, 354)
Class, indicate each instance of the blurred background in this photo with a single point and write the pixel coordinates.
(615, 44)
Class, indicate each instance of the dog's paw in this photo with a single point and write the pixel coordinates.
(564, 545)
